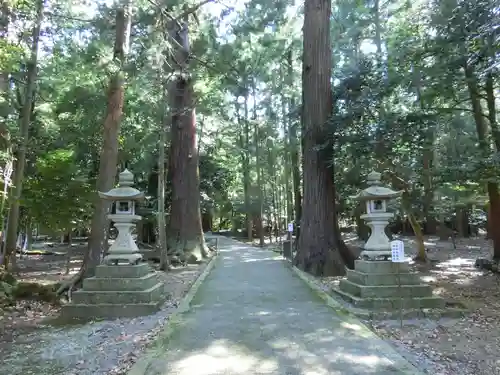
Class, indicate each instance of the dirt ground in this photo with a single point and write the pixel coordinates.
(30, 345)
(465, 346)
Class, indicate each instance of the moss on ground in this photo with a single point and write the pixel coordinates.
(12, 290)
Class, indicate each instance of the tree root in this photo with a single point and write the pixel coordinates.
(486, 264)
(69, 293)
(68, 285)
(418, 259)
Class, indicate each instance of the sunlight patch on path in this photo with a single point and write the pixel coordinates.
(253, 316)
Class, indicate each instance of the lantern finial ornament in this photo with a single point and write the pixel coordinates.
(373, 178)
(126, 178)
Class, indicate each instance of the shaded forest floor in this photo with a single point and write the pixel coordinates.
(464, 346)
(32, 342)
(447, 346)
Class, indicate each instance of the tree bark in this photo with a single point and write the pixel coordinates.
(109, 153)
(380, 145)
(490, 95)
(294, 148)
(162, 229)
(427, 172)
(286, 123)
(320, 245)
(258, 168)
(271, 161)
(5, 136)
(24, 125)
(491, 187)
(428, 153)
(495, 131)
(185, 234)
(246, 171)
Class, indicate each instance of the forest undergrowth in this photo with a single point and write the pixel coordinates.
(33, 341)
(449, 346)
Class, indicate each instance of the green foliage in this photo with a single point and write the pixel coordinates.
(215, 182)
(58, 195)
(413, 95)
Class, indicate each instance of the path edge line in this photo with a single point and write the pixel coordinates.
(398, 359)
(141, 366)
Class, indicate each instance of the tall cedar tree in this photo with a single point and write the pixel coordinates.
(185, 234)
(109, 153)
(320, 246)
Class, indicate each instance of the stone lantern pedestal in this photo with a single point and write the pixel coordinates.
(123, 286)
(376, 284)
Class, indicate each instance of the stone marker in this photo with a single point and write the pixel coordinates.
(373, 284)
(123, 285)
(287, 249)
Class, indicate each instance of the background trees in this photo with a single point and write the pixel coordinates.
(414, 94)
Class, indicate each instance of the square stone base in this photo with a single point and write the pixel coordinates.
(386, 286)
(117, 291)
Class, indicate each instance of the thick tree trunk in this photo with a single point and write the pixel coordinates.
(320, 245)
(271, 162)
(7, 164)
(243, 144)
(109, 153)
(161, 242)
(491, 187)
(185, 234)
(380, 146)
(246, 171)
(258, 167)
(294, 148)
(428, 153)
(24, 124)
(462, 221)
(490, 95)
(279, 206)
(493, 214)
(287, 168)
(428, 206)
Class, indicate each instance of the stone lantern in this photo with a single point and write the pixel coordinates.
(377, 287)
(124, 197)
(377, 218)
(122, 286)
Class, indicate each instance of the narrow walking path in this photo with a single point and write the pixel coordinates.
(252, 315)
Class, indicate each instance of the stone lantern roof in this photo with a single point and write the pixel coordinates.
(375, 190)
(124, 191)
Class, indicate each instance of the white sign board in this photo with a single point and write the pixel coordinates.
(290, 227)
(397, 251)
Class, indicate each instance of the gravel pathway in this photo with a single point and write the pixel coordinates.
(95, 348)
(252, 315)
